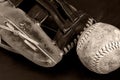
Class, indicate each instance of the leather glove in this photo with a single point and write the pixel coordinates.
(44, 32)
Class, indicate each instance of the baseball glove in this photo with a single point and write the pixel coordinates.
(42, 32)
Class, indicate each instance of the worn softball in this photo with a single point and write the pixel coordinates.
(99, 48)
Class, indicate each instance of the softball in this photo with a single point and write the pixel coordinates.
(99, 48)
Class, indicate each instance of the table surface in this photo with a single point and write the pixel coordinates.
(16, 67)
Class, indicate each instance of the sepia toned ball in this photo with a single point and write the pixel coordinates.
(99, 48)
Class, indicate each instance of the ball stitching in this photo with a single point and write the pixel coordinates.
(85, 36)
(104, 51)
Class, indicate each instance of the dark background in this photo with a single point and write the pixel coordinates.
(16, 67)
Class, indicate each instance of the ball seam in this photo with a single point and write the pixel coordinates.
(85, 36)
(104, 51)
